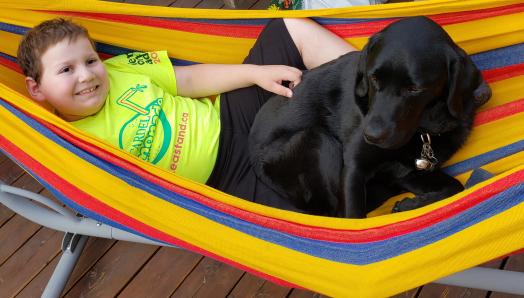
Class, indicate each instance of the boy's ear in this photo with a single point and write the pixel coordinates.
(34, 89)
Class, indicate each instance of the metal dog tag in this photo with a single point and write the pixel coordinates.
(427, 160)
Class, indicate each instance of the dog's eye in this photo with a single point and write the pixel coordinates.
(374, 81)
(413, 89)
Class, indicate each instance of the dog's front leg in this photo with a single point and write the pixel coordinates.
(352, 204)
(429, 187)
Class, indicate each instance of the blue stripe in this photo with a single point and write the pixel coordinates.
(8, 57)
(483, 159)
(363, 253)
(500, 57)
(13, 28)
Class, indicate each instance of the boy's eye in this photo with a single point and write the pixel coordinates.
(65, 69)
(91, 61)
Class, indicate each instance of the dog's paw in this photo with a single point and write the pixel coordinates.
(406, 204)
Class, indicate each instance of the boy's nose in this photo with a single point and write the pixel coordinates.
(85, 75)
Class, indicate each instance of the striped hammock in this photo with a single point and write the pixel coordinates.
(381, 255)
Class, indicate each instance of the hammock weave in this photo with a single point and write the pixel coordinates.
(381, 255)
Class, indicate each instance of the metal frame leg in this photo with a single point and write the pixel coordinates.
(72, 247)
(489, 279)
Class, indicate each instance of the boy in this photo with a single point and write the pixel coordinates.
(142, 104)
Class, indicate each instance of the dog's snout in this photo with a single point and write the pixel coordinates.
(375, 136)
(374, 131)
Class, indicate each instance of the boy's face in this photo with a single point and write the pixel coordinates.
(74, 80)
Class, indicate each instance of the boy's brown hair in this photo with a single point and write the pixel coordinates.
(37, 40)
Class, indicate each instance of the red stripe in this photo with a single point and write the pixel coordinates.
(351, 236)
(10, 64)
(89, 202)
(242, 31)
(502, 73)
(499, 112)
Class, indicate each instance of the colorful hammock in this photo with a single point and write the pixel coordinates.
(378, 256)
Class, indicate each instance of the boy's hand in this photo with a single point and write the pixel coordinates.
(270, 78)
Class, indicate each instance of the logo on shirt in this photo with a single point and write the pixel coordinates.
(144, 126)
(142, 58)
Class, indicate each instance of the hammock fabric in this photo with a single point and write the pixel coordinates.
(377, 256)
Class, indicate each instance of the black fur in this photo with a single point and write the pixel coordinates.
(348, 138)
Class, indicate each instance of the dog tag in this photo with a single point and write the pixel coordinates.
(422, 164)
(427, 160)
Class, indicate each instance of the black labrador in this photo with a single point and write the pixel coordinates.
(371, 124)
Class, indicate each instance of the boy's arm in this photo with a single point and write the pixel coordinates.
(203, 80)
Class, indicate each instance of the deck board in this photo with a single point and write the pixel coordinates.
(109, 268)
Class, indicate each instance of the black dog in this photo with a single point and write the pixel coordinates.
(350, 136)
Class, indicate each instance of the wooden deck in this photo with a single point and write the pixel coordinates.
(108, 268)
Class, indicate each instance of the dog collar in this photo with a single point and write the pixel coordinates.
(427, 160)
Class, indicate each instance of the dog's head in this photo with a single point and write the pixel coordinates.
(412, 75)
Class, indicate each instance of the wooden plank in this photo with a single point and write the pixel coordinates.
(210, 4)
(9, 171)
(36, 286)
(113, 271)
(14, 234)
(165, 272)
(408, 294)
(270, 289)
(186, 3)
(209, 279)
(247, 286)
(262, 4)
(25, 264)
(2, 157)
(299, 293)
(95, 248)
(253, 286)
(25, 182)
(151, 2)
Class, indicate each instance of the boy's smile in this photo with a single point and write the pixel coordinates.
(74, 79)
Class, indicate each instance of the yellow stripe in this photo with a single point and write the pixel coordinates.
(505, 91)
(13, 79)
(491, 136)
(488, 33)
(9, 42)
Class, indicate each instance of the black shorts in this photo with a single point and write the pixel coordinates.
(233, 173)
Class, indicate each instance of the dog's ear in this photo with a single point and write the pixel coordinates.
(362, 86)
(465, 84)
(362, 83)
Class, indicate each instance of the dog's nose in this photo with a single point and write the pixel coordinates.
(375, 136)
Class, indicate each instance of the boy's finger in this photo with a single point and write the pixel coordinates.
(293, 84)
(281, 90)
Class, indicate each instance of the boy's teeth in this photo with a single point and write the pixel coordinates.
(87, 90)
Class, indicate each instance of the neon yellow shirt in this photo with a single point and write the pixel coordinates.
(144, 116)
